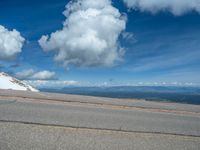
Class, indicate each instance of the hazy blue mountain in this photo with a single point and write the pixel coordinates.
(189, 95)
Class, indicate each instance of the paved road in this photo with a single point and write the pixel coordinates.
(104, 116)
(8, 94)
(99, 116)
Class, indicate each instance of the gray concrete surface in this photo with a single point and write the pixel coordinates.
(48, 121)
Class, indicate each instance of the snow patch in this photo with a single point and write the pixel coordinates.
(8, 82)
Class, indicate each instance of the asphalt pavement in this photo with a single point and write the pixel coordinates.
(94, 122)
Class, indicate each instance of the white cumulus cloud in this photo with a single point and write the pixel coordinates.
(33, 75)
(89, 36)
(11, 43)
(44, 75)
(176, 7)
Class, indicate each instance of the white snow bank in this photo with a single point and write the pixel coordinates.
(8, 82)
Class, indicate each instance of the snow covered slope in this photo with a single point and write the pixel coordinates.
(8, 82)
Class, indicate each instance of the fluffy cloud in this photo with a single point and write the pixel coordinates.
(89, 36)
(176, 7)
(44, 75)
(32, 75)
(11, 43)
(25, 74)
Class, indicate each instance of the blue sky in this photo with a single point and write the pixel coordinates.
(160, 47)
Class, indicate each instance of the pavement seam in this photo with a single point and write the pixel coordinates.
(99, 129)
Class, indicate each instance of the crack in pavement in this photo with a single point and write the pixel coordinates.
(99, 129)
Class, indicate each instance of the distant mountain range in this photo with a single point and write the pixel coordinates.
(9, 82)
(189, 95)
